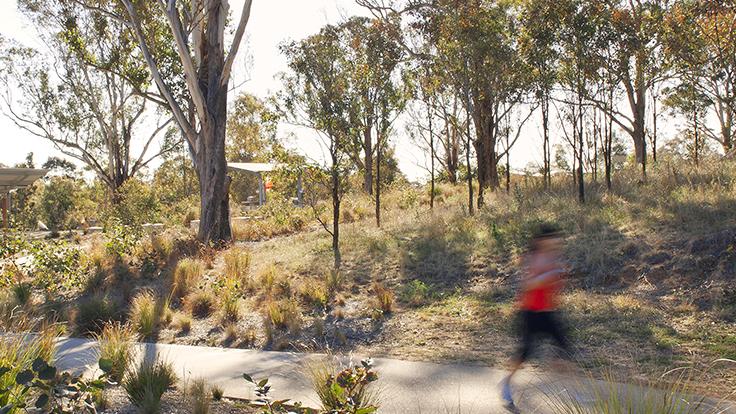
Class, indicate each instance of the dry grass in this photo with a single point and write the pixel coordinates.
(199, 396)
(284, 314)
(200, 303)
(237, 264)
(116, 345)
(187, 276)
(182, 322)
(145, 313)
(384, 298)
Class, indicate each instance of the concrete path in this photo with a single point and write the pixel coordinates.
(405, 387)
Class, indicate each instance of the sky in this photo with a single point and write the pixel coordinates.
(272, 22)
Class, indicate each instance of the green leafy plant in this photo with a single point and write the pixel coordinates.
(415, 293)
(51, 392)
(270, 406)
(348, 391)
(55, 265)
(121, 238)
(147, 383)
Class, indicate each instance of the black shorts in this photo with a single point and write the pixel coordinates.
(535, 326)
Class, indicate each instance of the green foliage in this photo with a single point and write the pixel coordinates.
(93, 313)
(56, 264)
(146, 384)
(415, 293)
(348, 391)
(262, 388)
(18, 354)
(121, 238)
(52, 392)
(22, 293)
(57, 203)
(134, 204)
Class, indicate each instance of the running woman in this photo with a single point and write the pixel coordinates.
(538, 298)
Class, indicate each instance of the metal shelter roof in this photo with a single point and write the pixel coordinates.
(14, 178)
(252, 167)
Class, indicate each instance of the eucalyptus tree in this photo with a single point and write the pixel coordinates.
(183, 45)
(477, 41)
(316, 95)
(56, 92)
(639, 62)
(539, 46)
(701, 40)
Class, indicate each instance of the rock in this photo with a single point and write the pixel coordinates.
(152, 228)
(194, 225)
(91, 230)
(42, 226)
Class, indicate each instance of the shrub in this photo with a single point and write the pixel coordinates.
(200, 303)
(55, 265)
(384, 298)
(237, 264)
(116, 346)
(56, 201)
(199, 396)
(348, 391)
(145, 314)
(415, 293)
(92, 314)
(145, 385)
(187, 275)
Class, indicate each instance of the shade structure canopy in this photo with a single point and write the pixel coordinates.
(252, 167)
(15, 178)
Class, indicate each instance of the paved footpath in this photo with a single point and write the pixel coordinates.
(405, 387)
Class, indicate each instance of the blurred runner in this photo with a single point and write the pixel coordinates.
(539, 291)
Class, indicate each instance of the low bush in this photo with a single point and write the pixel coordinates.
(147, 383)
(92, 314)
(187, 276)
(116, 346)
(345, 391)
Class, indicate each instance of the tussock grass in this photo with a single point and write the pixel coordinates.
(199, 396)
(237, 264)
(284, 314)
(116, 345)
(182, 322)
(145, 314)
(670, 393)
(187, 276)
(147, 383)
(92, 314)
(200, 303)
